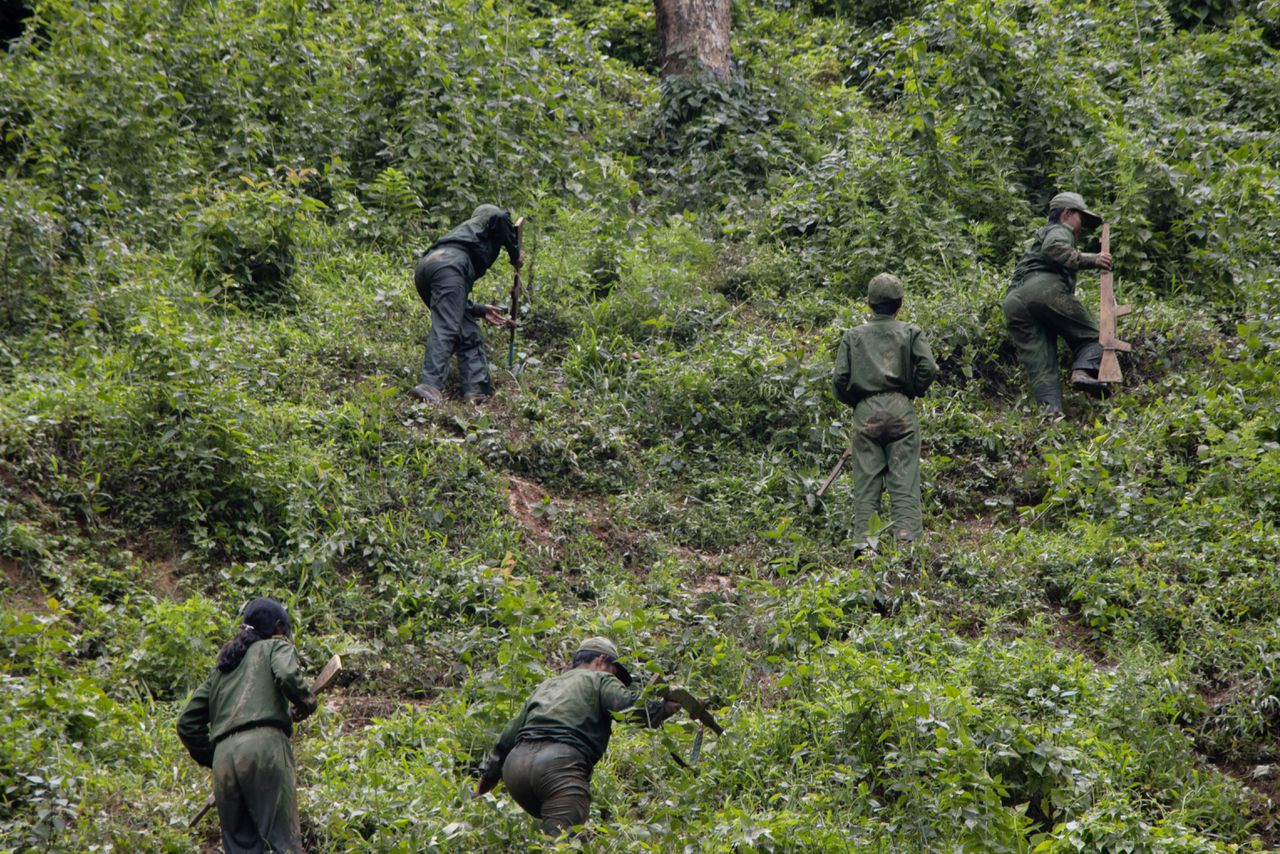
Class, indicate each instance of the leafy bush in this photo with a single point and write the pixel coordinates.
(30, 237)
(240, 243)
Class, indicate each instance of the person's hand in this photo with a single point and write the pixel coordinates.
(483, 787)
(495, 316)
(519, 261)
(1102, 260)
(298, 714)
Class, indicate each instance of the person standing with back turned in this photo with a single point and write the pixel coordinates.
(444, 276)
(239, 722)
(1041, 305)
(880, 367)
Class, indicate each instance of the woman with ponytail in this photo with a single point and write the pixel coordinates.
(238, 723)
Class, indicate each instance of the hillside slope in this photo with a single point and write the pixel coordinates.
(208, 218)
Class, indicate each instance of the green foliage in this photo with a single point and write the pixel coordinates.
(240, 243)
(30, 236)
(1081, 655)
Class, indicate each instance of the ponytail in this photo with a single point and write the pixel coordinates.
(262, 618)
(233, 652)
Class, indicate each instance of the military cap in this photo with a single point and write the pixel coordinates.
(606, 647)
(1075, 202)
(884, 287)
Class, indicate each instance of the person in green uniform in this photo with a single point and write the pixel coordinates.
(880, 367)
(1041, 305)
(546, 753)
(444, 276)
(238, 723)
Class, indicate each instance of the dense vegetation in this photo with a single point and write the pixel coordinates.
(208, 217)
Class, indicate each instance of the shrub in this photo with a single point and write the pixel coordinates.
(240, 242)
(30, 236)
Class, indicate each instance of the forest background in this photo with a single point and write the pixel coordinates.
(209, 213)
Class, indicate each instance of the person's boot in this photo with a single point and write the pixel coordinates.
(1050, 401)
(1085, 381)
(427, 394)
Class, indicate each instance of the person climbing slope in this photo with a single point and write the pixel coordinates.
(239, 722)
(444, 277)
(1041, 305)
(547, 752)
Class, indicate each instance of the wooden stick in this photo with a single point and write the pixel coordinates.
(1108, 312)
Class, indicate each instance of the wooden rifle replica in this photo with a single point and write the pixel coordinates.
(1108, 312)
(323, 681)
(515, 296)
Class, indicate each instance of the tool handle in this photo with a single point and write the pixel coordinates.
(515, 295)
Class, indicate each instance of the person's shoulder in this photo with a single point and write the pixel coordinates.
(857, 331)
(1059, 229)
(593, 675)
(277, 643)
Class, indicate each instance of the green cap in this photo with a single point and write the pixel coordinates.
(885, 287)
(1075, 202)
(606, 647)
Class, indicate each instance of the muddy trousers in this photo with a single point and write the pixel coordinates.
(1039, 313)
(886, 456)
(253, 784)
(550, 781)
(443, 280)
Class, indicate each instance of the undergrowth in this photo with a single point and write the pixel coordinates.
(208, 217)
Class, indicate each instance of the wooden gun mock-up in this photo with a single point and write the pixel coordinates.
(1108, 312)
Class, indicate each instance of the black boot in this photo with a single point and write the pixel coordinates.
(1050, 401)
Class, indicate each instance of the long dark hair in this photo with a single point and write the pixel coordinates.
(261, 617)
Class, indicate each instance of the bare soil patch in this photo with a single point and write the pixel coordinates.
(1071, 635)
(359, 711)
(22, 589)
(522, 497)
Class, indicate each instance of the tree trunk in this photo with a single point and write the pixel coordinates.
(693, 37)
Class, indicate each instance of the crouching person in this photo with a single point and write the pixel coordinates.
(238, 723)
(546, 753)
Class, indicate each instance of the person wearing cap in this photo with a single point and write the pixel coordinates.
(238, 723)
(547, 752)
(880, 366)
(1041, 305)
(444, 276)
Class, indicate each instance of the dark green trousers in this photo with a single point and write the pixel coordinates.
(1038, 313)
(886, 457)
(550, 781)
(443, 278)
(253, 784)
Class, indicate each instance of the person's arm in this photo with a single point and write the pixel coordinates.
(193, 727)
(844, 369)
(491, 767)
(615, 697)
(1060, 247)
(924, 369)
(288, 676)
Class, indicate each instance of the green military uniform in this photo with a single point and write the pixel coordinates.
(444, 277)
(547, 752)
(1041, 306)
(880, 366)
(238, 724)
